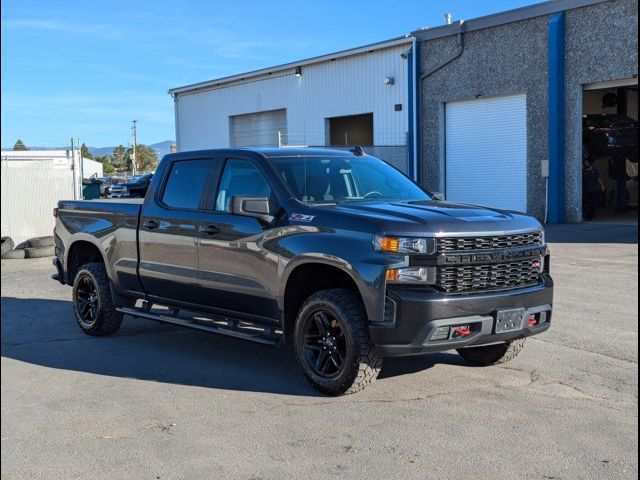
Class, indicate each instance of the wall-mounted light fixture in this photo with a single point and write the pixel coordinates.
(298, 72)
(389, 80)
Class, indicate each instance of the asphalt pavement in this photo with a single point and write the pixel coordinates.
(160, 402)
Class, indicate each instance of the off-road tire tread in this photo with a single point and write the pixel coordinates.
(485, 356)
(368, 360)
(109, 319)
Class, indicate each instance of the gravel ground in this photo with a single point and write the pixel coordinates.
(158, 402)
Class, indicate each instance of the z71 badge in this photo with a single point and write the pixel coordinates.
(299, 217)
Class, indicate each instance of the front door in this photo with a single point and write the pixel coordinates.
(168, 231)
(238, 263)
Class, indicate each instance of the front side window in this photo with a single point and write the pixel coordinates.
(240, 178)
(185, 183)
(316, 180)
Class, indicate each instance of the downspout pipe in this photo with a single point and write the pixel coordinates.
(412, 100)
(556, 126)
(416, 104)
(444, 63)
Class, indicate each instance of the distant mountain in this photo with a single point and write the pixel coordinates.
(161, 148)
(98, 152)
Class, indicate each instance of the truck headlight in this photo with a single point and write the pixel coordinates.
(407, 245)
(412, 275)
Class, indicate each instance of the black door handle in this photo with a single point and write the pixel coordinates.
(150, 224)
(210, 229)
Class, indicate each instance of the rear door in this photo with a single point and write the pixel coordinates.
(238, 263)
(168, 230)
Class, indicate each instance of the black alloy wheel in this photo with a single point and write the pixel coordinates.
(325, 345)
(87, 302)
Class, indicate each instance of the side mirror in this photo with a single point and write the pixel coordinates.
(256, 207)
(438, 196)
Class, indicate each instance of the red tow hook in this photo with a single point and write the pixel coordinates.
(533, 321)
(462, 332)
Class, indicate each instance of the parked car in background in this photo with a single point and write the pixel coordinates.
(610, 134)
(106, 184)
(137, 188)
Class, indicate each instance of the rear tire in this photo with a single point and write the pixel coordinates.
(92, 302)
(492, 354)
(332, 343)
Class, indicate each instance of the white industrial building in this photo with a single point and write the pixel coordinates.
(363, 96)
(33, 181)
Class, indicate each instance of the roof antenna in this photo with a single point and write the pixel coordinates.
(358, 151)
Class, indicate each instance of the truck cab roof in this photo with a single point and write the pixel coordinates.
(267, 152)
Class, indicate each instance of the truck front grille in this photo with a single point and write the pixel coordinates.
(475, 278)
(463, 244)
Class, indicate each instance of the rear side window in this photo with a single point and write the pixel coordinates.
(240, 178)
(185, 183)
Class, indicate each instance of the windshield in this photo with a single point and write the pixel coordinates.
(315, 180)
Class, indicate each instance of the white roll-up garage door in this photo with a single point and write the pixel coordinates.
(486, 152)
(257, 129)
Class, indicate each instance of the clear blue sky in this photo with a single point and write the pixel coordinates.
(85, 69)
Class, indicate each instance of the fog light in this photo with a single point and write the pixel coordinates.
(441, 333)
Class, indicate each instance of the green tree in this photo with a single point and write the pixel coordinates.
(121, 159)
(19, 145)
(146, 158)
(84, 151)
(107, 168)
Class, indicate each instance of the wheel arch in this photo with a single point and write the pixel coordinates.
(311, 274)
(81, 251)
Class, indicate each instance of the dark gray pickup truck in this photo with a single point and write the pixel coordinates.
(335, 251)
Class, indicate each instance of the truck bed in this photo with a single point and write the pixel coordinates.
(109, 224)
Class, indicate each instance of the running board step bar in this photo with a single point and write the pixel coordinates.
(220, 325)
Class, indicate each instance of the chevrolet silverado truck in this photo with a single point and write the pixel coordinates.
(334, 251)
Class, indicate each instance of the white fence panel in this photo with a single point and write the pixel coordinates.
(30, 191)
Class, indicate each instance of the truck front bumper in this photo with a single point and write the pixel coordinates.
(426, 322)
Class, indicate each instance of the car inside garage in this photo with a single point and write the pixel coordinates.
(610, 151)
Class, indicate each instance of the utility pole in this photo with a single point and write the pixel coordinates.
(73, 170)
(81, 162)
(134, 166)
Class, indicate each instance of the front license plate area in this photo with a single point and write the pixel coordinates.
(509, 320)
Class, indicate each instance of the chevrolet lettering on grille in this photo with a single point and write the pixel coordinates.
(491, 257)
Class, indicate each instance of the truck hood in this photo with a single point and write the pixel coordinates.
(437, 217)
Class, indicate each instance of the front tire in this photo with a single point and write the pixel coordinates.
(332, 343)
(92, 302)
(492, 354)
